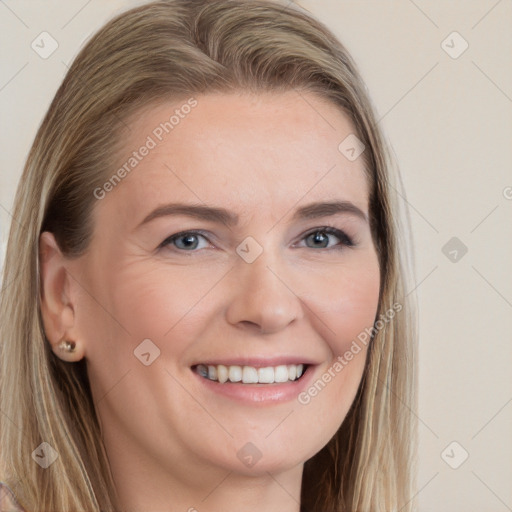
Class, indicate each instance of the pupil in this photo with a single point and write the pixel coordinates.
(319, 237)
(189, 240)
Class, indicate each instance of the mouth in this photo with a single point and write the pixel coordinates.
(251, 375)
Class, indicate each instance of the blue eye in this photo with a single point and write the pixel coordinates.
(321, 235)
(188, 241)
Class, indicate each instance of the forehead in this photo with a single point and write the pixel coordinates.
(250, 151)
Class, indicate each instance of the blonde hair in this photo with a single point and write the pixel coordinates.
(168, 50)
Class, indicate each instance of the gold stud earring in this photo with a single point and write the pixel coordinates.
(67, 346)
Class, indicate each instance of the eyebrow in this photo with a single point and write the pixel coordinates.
(223, 216)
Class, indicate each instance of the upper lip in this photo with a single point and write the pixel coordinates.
(257, 362)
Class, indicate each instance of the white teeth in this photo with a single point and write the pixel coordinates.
(281, 373)
(249, 374)
(222, 373)
(266, 375)
(235, 373)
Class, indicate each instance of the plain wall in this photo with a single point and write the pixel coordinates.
(449, 120)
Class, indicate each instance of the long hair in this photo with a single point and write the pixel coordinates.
(170, 50)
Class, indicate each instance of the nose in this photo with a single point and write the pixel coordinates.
(263, 297)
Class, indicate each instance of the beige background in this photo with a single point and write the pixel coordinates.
(450, 124)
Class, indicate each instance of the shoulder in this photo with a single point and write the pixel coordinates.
(8, 501)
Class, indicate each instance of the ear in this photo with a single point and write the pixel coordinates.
(57, 308)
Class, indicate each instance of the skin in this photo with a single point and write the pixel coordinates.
(171, 442)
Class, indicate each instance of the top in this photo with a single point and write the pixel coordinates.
(8, 501)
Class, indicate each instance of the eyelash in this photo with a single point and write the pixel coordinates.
(345, 240)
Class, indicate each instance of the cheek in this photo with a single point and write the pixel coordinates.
(347, 302)
(157, 301)
(355, 310)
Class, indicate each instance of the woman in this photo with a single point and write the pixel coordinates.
(250, 366)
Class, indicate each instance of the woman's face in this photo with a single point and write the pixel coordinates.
(245, 284)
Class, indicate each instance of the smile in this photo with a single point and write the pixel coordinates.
(251, 375)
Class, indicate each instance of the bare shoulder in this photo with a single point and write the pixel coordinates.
(8, 501)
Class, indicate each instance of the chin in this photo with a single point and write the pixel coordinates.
(258, 458)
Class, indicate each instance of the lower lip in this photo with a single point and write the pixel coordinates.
(260, 393)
